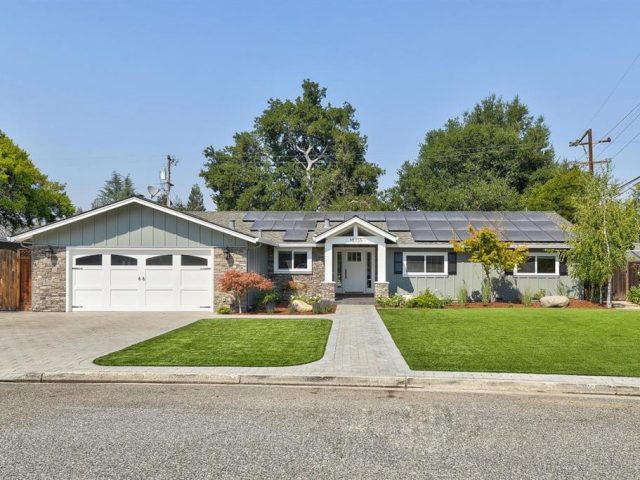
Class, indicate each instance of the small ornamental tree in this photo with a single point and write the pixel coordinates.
(238, 284)
(485, 247)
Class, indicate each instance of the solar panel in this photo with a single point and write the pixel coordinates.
(462, 233)
(423, 235)
(262, 225)
(476, 216)
(441, 224)
(536, 216)
(455, 216)
(539, 236)
(295, 235)
(443, 235)
(315, 216)
(458, 224)
(417, 224)
(274, 216)
(305, 224)
(281, 225)
(557, 235)
(514, 236)
(294, 216)
(527, 227)
(253, 216)
(398, 225)
(394, 216)
(434, 216)
(414, 215)
(374, 216)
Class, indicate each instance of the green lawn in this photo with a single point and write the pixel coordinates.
(230, 342)
(531, 340)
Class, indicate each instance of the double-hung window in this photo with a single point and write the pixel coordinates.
(424, 264)
(539, 264)
(292, 260)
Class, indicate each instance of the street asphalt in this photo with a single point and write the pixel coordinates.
(70, 431)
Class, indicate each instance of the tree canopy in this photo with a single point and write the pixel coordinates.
(604, 231)
(195, 202)
(484, 160)
(27, 196)
(560, 192)
(116, 188)
(302, 154)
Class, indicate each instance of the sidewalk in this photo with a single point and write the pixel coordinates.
(360, 353)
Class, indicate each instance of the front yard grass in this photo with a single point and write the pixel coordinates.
(252, 342)
(524, 340)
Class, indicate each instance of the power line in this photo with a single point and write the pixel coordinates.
(625, 145)
(615, 88)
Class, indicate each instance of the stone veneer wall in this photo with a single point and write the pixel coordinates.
(48, 280)
(314, 280)
(221, 264)
(382, 289)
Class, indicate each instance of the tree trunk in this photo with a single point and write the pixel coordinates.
(609, 303)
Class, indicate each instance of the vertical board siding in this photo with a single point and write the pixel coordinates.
(135, 226)
(471, 275)
(9, 279)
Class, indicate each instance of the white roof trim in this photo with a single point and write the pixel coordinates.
(368, 226)
(533, 246)
(147, 203)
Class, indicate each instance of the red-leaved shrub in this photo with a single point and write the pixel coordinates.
(239, 283)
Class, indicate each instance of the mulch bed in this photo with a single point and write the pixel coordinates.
(573, 303)
(284, 310)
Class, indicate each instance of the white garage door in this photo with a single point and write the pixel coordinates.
(130, 280)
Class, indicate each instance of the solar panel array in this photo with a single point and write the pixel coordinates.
(423, 226)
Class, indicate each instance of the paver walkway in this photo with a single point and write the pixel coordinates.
(358, 345)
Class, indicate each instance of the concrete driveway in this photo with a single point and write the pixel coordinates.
(56, 342)
(32, 343)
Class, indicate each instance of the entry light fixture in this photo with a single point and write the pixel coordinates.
(49, 251)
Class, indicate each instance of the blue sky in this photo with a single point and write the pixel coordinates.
(92, 86)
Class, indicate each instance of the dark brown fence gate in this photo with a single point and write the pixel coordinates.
(624, 279)
(15, 279)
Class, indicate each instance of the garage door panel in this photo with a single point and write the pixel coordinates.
(88, 278)
(159, 299)
(195, 279)
(195, 299)
(125, 299)
(160, 278)
(89, 298)
(124, 278)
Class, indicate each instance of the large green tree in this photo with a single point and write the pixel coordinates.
(560, 192)
(195, 202)
(117, 187)
(301, 154)
(484, 160)
(27, 196)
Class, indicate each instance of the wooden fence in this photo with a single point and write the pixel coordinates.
(624, 279)
(15, 279)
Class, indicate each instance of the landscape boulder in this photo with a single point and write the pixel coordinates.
(554, 301)
(300, 306)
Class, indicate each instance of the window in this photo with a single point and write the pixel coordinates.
(89, 260)
(292, 261)
(354, 256)
(160, 261)
(539, 264)
(192, 261)
(369, 268)
(122, 261)
(424, 264)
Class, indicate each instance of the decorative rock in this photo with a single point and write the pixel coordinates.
(300, 306)
(554, 301)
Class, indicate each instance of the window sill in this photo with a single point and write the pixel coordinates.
(425, 275)
(296, 272)
(536, 275)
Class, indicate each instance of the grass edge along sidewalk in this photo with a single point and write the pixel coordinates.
(523, 340)
(255, 342)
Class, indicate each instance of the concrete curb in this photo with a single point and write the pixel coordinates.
(424, 383)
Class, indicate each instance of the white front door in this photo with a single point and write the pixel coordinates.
(354, 271)
(136, 280)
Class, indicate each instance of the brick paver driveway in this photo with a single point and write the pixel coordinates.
(359, 343)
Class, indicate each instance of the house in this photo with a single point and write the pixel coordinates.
(138, 255)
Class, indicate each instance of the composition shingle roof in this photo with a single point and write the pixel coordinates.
(409, 226)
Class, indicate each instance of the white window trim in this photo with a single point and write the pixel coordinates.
(536, 274)
(276, 253)
(425, 274)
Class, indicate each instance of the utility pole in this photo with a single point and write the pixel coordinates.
(590, 143)
(170, 161)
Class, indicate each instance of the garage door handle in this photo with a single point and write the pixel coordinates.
(139, 279)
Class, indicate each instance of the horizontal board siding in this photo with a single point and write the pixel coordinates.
(135, 226)
(471, 275)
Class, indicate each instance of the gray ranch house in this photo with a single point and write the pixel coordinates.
(138, 255)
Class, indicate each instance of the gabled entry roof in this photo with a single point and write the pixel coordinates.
(355, 221)
(133, 200)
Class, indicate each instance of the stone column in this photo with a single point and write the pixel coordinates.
(382, 289)
(236, 259)
(48, 280)
(328, 291)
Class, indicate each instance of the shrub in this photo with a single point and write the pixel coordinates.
(396, 300)
(323, 306)
(224, 309)
(268, 299)
(310, 299)
(527, 297)
(463, 295)
(563, 290)
(238, 283)
(426, 299)
(486, 291)
(539, 294)
(634, 295)
(297, 287)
